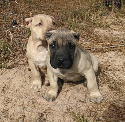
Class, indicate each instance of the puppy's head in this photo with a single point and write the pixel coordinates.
(39, 25)
(62, 46)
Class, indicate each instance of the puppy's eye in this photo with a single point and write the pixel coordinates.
(39, 24)
(71, 45)
(54, 23)
(53, 45)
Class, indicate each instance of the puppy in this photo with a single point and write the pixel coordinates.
(68, 61)
(37, 46)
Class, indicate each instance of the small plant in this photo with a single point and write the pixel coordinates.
(77, 117)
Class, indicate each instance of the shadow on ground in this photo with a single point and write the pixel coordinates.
(115, 112)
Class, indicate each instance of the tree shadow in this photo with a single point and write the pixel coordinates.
(115, 112)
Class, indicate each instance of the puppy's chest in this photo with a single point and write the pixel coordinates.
(38, 56)
(40, 59)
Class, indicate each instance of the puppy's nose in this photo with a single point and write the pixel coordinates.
(61, 60)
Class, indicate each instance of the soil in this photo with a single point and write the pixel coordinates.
(20, 103)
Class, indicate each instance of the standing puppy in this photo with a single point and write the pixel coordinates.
(37, 46)
(68, 61)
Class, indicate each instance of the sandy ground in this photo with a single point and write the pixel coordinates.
(20, 103)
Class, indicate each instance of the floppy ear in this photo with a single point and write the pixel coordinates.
(28, 22)
(76, 35)
(49, 34)
(53, 20)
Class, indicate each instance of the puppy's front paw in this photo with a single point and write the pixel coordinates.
(49, 97)
(96, 97)
(36, 85)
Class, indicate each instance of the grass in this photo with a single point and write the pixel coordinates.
(7, 52)
(77, 117)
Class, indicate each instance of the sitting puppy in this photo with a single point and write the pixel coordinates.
(68, 61)
(37, 46)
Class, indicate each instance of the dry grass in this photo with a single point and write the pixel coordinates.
(81, 16)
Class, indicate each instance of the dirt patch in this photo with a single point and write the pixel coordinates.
(20, 103)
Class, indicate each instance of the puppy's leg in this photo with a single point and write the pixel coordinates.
(36, 74)
(53, 91)
(46, 79)
(94, 62)
(95, 95)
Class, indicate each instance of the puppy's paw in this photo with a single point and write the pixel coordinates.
(49, 97)
(36, 85)
(96, 97)
(47, 83)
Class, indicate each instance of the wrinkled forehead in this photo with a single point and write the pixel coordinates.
(62, 38)
(62, 35)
